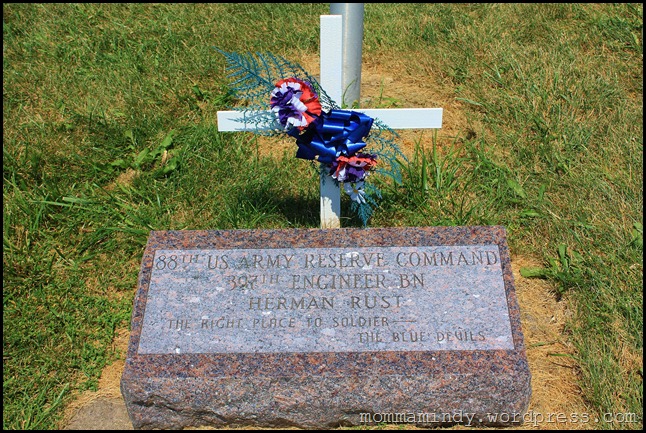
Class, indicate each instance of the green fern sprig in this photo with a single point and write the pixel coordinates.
(382, 142)
(365, 210)
(255, 75)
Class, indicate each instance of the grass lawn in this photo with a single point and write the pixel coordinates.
(109, 131)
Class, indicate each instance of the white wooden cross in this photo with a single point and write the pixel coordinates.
(331, 79)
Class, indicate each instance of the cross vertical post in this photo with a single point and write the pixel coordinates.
(331, 66)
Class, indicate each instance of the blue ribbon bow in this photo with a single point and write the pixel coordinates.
(332, 134)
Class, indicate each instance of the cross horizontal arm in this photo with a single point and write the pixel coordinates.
(395, 118)
(406, 118)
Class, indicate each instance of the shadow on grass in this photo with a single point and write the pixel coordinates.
(299, 211)
(260, 206)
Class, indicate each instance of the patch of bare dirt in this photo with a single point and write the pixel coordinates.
(556, 401)
(125, 179)
(81, 414)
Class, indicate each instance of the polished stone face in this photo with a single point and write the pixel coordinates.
(315, 327)
(305, 300)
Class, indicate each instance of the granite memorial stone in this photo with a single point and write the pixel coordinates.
(322, 328)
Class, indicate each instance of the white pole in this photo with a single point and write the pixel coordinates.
(352, 14)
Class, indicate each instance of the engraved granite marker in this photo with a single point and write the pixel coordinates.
(326, 300)
(315, 327)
